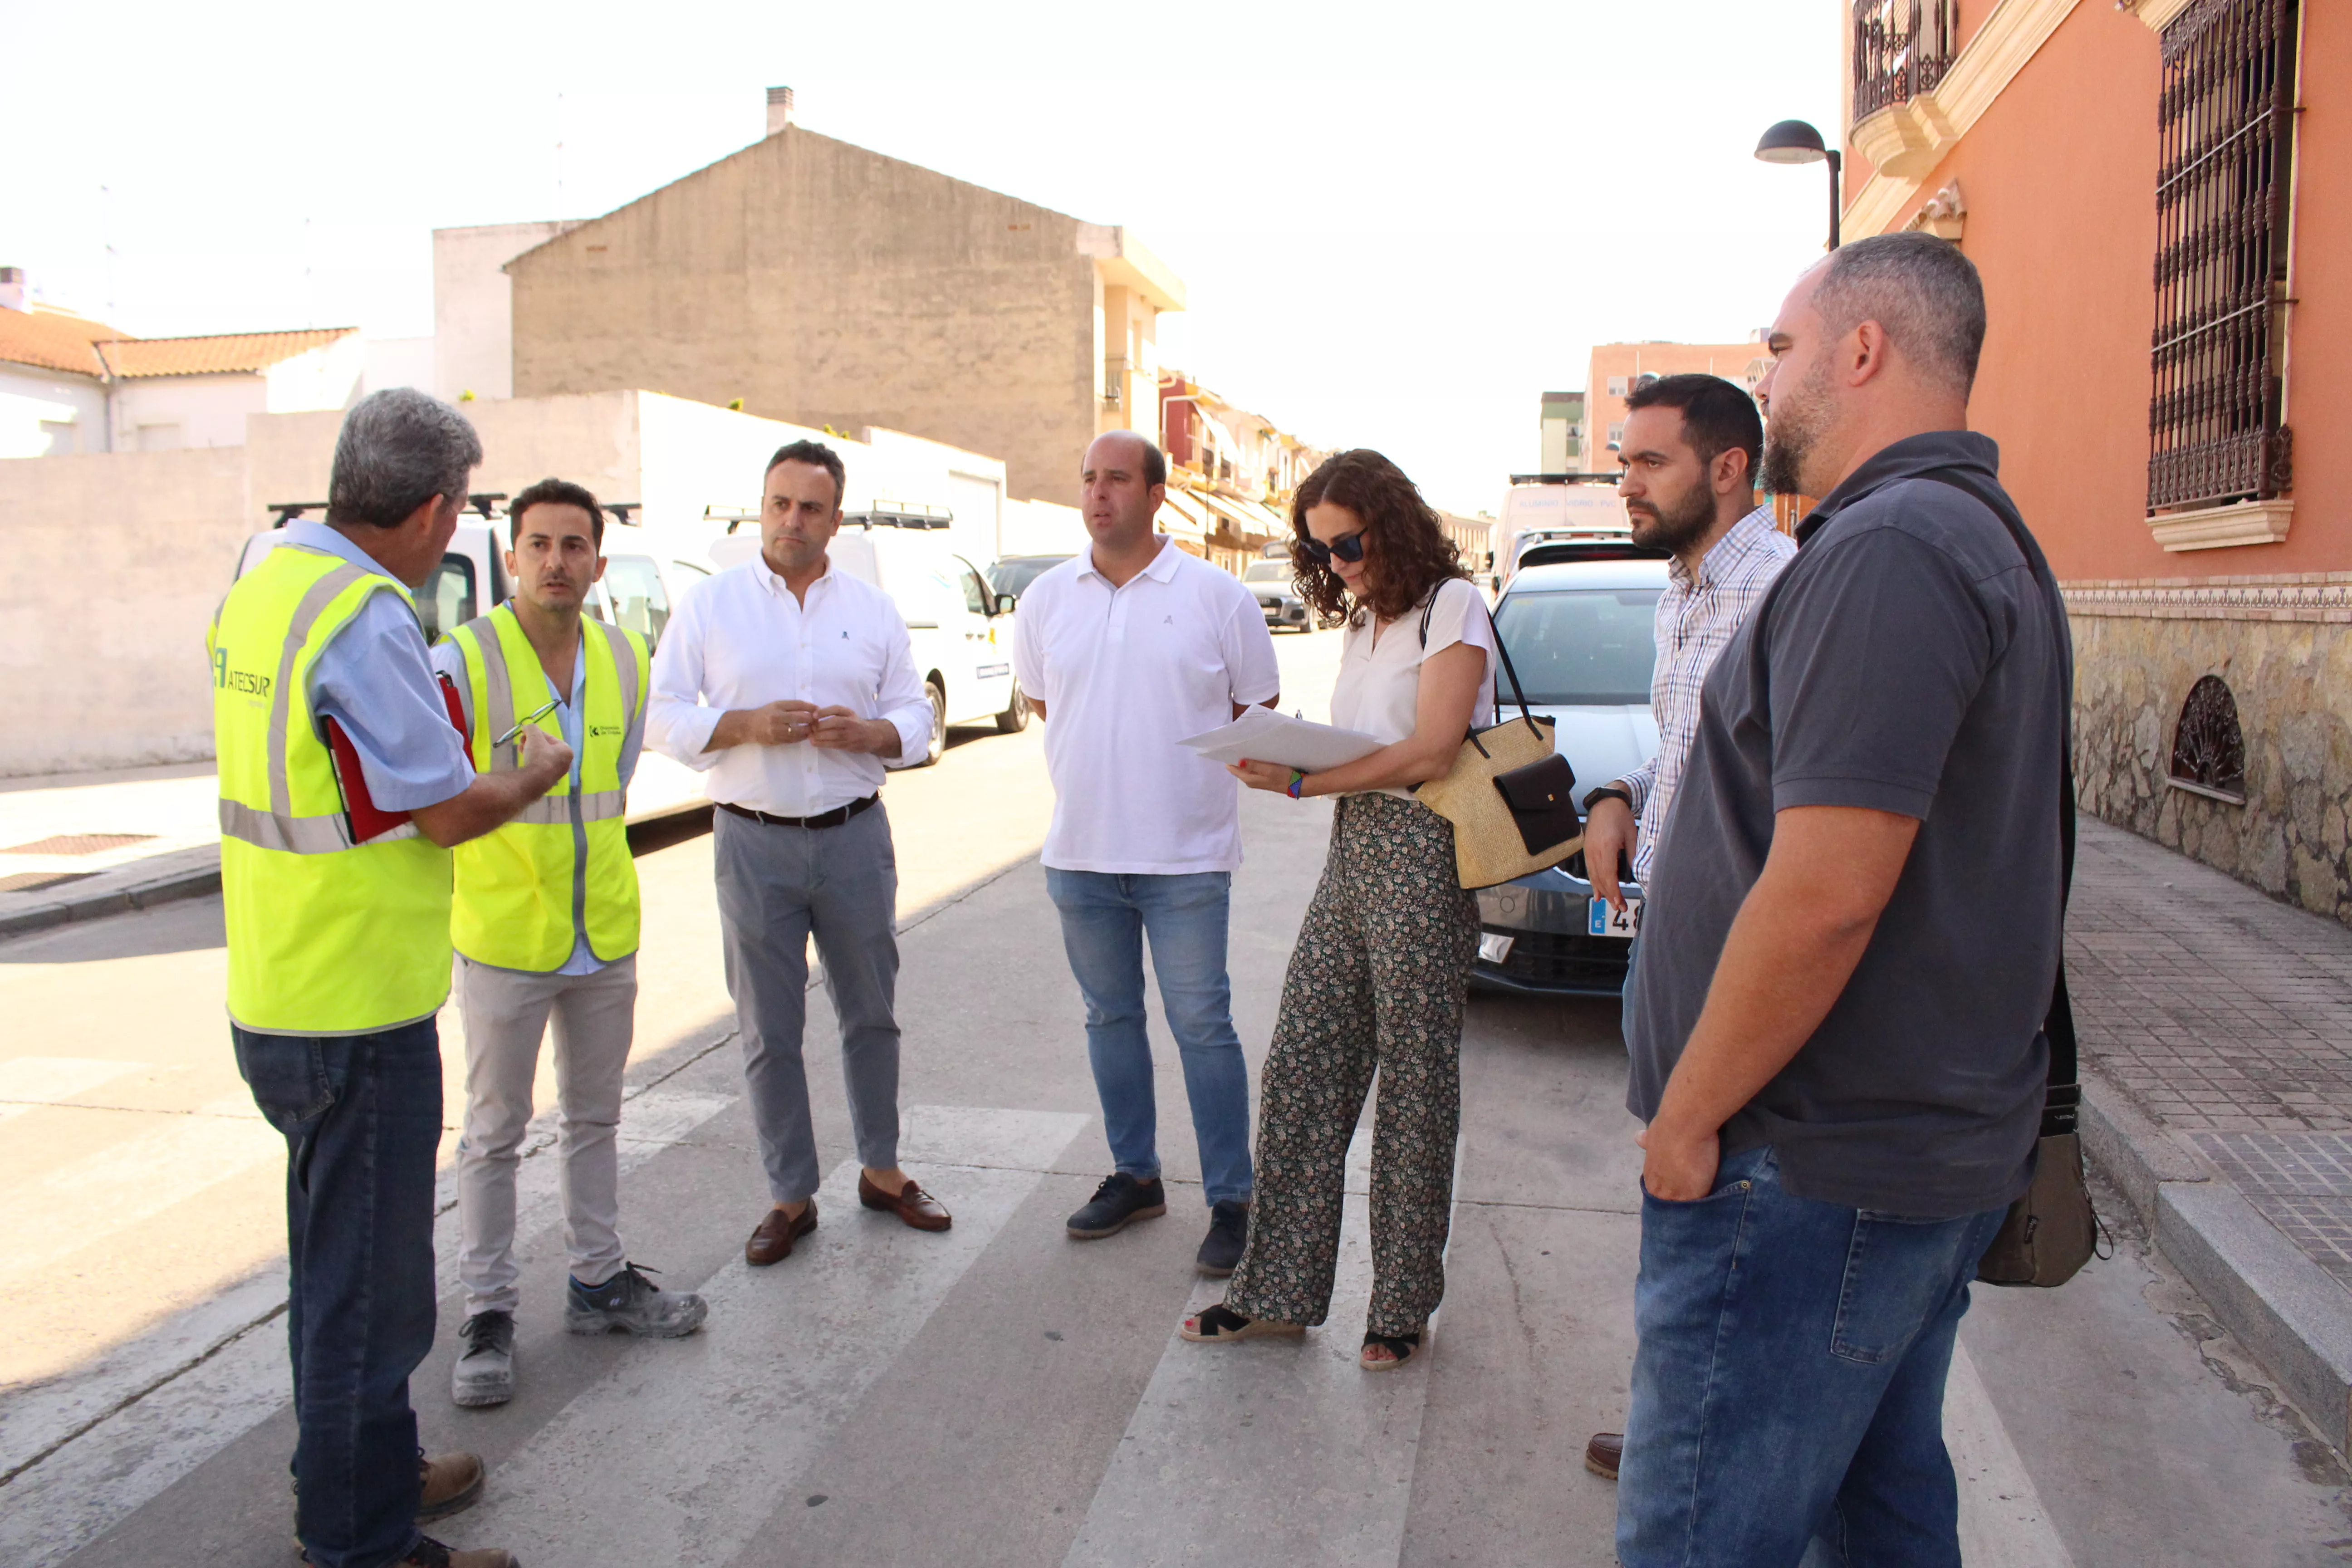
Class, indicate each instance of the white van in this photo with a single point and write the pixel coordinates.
(961, 632)
(1561, 506)
(645, 578)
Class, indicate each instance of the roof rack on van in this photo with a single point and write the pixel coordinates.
(1565, 479)
(901, 514)
(622, 508)
(288, 510)
(485, 501)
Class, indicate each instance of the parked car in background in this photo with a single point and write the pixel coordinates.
(1010, 577)
(1579, 635)
(961, 631)
(1277, 596)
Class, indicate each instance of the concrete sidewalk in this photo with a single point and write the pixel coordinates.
(79, 845)
(2216, 1026)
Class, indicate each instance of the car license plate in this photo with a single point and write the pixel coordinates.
(1606, 921)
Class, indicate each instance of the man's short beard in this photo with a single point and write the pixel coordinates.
(1672, 528)
(1792, 430)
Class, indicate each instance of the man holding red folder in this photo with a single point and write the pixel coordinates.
(342, 787)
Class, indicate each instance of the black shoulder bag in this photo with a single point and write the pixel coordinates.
(2052, 1230)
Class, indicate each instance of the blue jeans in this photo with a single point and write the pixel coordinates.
(1105, 917)
(1788, 1380)
(362, 1116)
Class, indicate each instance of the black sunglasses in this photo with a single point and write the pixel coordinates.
(1348, 547)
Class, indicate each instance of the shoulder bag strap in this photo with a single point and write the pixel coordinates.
(2065, 1091)
(1518, 697)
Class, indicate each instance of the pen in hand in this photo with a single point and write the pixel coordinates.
(527, 720)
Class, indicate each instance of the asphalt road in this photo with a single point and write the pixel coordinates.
(998, 1395)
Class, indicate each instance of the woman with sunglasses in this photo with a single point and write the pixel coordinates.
(1379, 976)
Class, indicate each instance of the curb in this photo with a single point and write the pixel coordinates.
(132, 888)
(2293, 1315)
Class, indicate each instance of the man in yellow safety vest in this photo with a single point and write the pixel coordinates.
(343, 785)
(545, 921)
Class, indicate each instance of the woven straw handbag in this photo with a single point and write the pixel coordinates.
(1509, 793)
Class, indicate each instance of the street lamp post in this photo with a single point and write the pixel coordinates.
(1796, 141)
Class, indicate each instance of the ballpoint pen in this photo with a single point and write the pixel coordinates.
(527, 720)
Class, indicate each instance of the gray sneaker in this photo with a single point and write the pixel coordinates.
(485, 1373)
(632, 1304)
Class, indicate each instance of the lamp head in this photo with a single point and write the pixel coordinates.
(1791, 141)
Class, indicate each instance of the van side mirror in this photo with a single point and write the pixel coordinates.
(1003, 604)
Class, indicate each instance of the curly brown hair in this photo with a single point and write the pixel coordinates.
(1406, 552)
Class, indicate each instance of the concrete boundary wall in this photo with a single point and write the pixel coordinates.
(116, 563)
(118, 560)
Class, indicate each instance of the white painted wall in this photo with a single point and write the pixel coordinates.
(397, 361)
(1043, 528)
(329, 376)
(172, 412)
(45, 413)
(473, 306)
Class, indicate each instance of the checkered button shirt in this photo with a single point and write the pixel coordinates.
(1695, 617)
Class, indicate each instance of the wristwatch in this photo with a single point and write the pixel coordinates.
(1607, 792)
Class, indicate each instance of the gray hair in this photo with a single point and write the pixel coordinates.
(1921, 289)
(398, 449)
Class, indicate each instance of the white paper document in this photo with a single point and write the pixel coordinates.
(1263, 735)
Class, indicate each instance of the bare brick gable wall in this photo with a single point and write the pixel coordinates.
(824, 284)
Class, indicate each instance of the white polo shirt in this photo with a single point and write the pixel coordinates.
(1125, 674)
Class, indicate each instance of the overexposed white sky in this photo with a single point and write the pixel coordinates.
(1397, 224)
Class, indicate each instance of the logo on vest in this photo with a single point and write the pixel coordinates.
(604, 729)
(250, 682)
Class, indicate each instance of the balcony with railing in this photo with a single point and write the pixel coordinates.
(1901, 49)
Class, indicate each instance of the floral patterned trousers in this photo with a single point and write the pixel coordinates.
(1377, 982)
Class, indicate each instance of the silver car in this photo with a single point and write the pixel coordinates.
(1579, 634)
(1270, 582)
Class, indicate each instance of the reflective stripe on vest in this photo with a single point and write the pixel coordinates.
(559, 870)
(325, 937)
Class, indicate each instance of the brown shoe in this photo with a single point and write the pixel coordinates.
(914, 1205)
(1602, 1454)
(448, 1483)
(773, 1237)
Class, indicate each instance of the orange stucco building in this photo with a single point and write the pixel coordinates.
(2156, 196)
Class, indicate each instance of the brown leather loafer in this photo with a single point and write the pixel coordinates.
(914, 1205)
(773, 1237)
(1602, 1454)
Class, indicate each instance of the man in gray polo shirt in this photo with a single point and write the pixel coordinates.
(1851, 941)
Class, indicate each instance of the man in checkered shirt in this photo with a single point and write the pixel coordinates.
(1690, 452)
(1689, 456)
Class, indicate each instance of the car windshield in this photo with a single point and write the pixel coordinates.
(1267, 572)
(1014, 574)
(1582, 646)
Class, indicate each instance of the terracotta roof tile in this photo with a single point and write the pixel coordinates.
(135, 357)
(53, 341)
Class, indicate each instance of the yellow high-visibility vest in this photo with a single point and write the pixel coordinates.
(325, 936)
(527, 893)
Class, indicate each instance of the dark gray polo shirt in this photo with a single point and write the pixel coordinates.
(1908, 661)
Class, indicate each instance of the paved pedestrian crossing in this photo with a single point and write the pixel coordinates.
(1270, 1452)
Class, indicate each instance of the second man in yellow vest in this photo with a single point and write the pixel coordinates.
(545, 925)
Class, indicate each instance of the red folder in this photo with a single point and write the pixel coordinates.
(367, 819)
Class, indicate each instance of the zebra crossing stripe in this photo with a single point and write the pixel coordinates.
(2002, 1523)
(1273, 1450)
(153, 1411)
(734, 1414)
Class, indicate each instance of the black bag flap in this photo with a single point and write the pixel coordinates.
(1540, 786)
(1541, 797)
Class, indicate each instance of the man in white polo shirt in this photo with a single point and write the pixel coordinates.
(1124, 651)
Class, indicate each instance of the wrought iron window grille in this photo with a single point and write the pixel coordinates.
(1901, 50)
(2224, 126)
(2209, 750)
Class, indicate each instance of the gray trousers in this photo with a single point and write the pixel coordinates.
(507, 1012)
(776, 887)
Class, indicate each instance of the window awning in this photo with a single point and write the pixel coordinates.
(1182, 516)
(1247, 516)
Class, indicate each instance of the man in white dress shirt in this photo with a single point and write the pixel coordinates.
(789, 682)
(1126, 650)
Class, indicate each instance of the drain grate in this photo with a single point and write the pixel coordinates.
(26, 882)
(76, 843)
